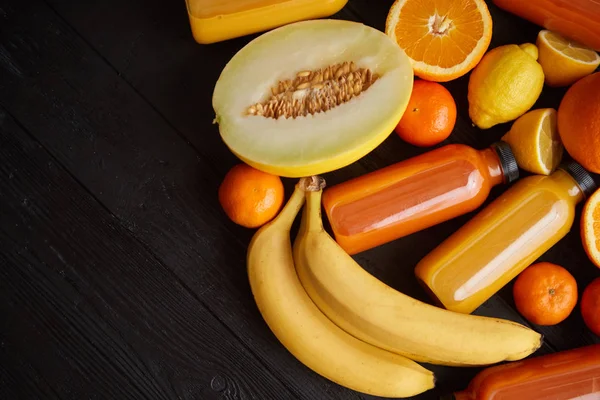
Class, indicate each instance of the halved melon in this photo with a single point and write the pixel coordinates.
(311, 97)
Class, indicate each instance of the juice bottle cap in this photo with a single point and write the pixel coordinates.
(508, 162)
(582, 177)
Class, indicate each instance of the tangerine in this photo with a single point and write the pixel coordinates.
(545, 293)
(430, 115)
(590, 306)
(579, 122)
(250, 197)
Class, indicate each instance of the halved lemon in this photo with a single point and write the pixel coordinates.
(312, 96)
(445, 39)
(564, 61)
(535, 141)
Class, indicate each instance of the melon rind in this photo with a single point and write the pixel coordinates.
(325, 141)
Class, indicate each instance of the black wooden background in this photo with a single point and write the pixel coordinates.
(120, 276)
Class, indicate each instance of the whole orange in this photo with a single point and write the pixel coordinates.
(579, 122)
(590, 306)
(545, 293)
(430, 115)
(250, 197)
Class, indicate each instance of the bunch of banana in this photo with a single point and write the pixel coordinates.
(377, 314)
(305, 331)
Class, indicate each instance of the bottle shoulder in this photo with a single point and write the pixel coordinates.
(559, 185)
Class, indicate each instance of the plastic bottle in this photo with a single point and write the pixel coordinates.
(415, 194)
(574, 19)
(214, 21)
(566, 375)
(504, 238)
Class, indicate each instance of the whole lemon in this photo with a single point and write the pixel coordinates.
(504, 85)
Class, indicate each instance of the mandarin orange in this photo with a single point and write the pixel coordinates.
(250, 197)
(545, 293)
(430, 115)
(590, 306)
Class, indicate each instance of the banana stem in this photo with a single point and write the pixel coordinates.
(289, 212)
(303, 222)
(313, 183)
(313, 210)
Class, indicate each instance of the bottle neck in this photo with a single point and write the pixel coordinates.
(493, 165)
(566, 182)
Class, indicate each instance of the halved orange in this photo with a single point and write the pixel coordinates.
(590, 228)
(444, 39)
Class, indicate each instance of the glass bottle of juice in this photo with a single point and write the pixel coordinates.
(415, 194)
(566, 375)
(504, 238)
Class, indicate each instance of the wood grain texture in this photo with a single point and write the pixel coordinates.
(18, 378)
(155, 53)
(159, 187)
(507, 29)
(119, 95)
(87, 307)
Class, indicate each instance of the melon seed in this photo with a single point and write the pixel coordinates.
(312, 92)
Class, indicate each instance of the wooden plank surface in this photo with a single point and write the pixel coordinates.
(140, 43)
(108, 115)
(159, 187)
(89, 310)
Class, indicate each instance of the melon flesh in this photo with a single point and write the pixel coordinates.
(321, 142)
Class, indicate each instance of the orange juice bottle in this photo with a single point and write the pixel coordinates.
(566, 375)
(217, 20)
(504, 238)
(575, 19)
(415, 194)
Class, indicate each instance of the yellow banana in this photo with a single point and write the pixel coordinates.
(368, 309)
(310, 336)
